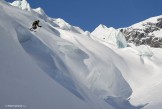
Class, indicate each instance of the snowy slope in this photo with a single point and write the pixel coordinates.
(23, 81)
(61, 66)
(145, 75)
(142, 65)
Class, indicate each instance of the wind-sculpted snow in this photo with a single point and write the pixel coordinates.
(102, 72)
(61, 66)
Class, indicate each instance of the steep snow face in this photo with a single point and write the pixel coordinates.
(90, 74)
(147, 32)
(50, 56)
(109, 36)
(22, 4)
(30, 67)
(39, 12)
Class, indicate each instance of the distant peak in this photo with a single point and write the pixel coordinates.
(60, 20)
(102, 26)
(39, 10)
(22, 4)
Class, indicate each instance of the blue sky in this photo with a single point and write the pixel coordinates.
(88, 14)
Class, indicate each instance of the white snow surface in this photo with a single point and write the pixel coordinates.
(109, 36)
(158, 33)
(61, 66)
(40, 11)
(22, 4)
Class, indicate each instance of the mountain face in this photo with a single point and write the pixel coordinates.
(22, 4)
(148, 32)
(61, 66)
(111, 36)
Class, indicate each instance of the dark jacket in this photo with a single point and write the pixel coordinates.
(36, 23)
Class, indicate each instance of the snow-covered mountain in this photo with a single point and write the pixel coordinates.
(147, 32)
(109, 36)
(22, 4)
(61, 66)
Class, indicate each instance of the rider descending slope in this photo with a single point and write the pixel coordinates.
(35, 25)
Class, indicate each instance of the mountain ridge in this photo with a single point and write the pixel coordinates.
(146, 32)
